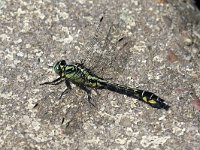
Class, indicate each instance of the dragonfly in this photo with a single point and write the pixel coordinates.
(81, 76)
(84, 78)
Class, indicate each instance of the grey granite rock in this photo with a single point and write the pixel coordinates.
(162, 56)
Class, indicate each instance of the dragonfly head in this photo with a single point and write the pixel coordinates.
(59, 67)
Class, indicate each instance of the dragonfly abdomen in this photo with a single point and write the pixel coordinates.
(145, 96)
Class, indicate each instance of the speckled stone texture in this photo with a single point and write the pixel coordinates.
(159, 53)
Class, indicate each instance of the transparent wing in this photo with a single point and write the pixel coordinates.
(70, 112)
(108, 50)
(96, 44)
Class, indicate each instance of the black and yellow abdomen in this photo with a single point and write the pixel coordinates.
(142, 95)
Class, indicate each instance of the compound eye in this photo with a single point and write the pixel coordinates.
(63, 62)
(58, 67)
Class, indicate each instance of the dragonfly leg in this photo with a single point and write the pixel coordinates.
(82, 62)
(67, 83)
(54, 82)
(88, 91)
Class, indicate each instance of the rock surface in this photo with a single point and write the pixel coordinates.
(159, 52)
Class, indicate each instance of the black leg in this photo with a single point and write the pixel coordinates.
(67, 83)
(54, 82)
(88, 91)
(82, 62)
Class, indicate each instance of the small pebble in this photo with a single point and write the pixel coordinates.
(196, 104)
(172, 56)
